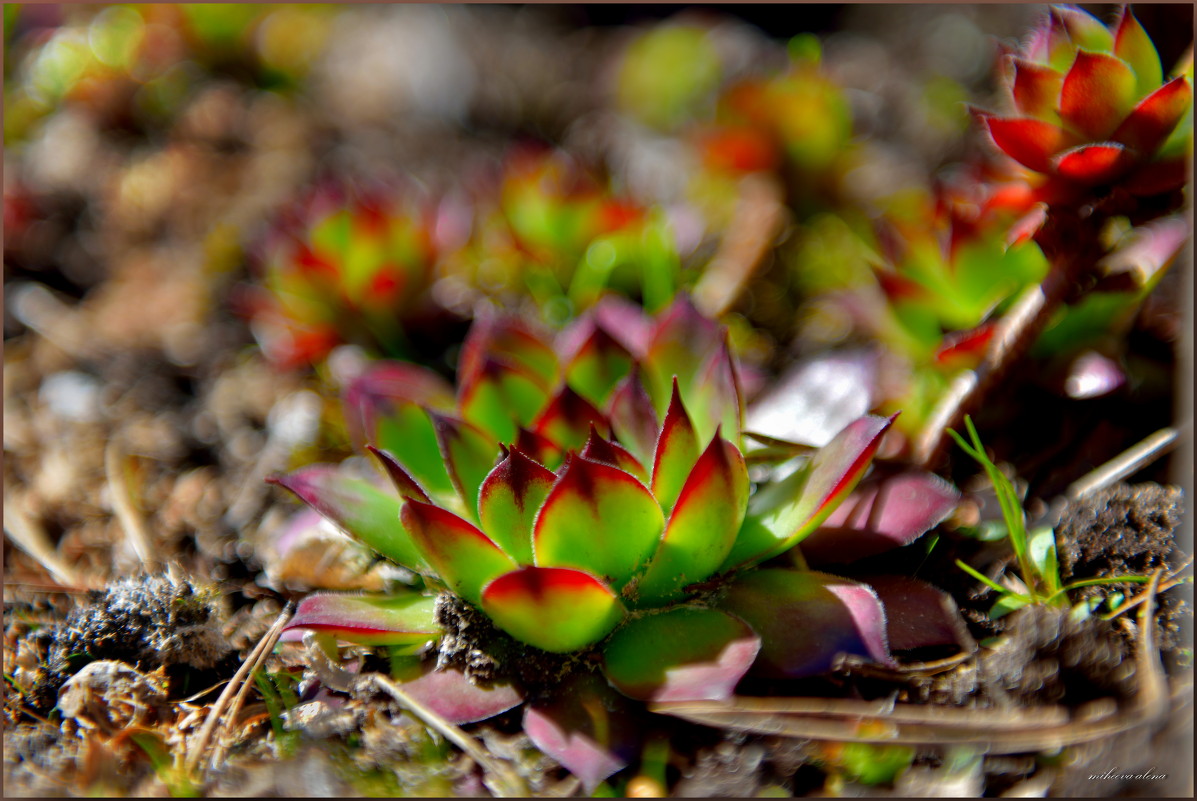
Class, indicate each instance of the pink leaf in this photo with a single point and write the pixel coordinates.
(883, 512)
(919, 615)
(451, 694)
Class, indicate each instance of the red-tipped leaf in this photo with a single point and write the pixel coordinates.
(784, 513)
(510, 498)
(404, 483)
(1094, 164)
(1030, 142)
(501, 396)
(677, 451)
(555, 609)
(598, 366)
(464, 557)
(599, 519)
(603, 450)
(1155, 117)
(1036, 88)
(702, 527)
(1097, 94)
(468, 454)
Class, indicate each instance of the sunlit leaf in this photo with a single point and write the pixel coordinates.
(464, 557)
(406, 619)
(552, 608)
(509, 500)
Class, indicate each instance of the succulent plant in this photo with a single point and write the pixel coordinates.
(1092, 107)
(648, 555)
(342, 266)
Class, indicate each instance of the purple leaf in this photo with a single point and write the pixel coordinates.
(454, 697)
(588, 727)
(633, 418)
(883, 512)
(919, 615)
(684, 654)
(806, 620)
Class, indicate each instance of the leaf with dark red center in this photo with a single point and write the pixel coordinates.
(598, 366)
(684, 654)
(702, 527)
(883, 512)
(1155, 117)
(508, 339)
(677, 451)
(918, 615)
(1030, 142)
(404, 483)
(1097, 94)
(501, 396)
(1036, 88)
(1134, 46)
(599, 519)
(539, 448)
(358, 508)
(509, 500)
(633, 418)
(566, 421)
(468, 454)
(681, 337)
(465, 558)
(806, 620)
(587, 727)
(552, 608)
(1094, 164)
(782, 514)
(602, 450)
(716, 398)
(451, 694)
(407, 619)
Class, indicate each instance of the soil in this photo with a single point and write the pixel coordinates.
(124, 367)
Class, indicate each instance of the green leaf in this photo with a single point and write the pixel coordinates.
(782, 514)
(500, 397)
(599, 519)
(404, 483)
(566, 421)
(469, 456)
(358, 508)
(552, 608)
(509, 500)
(1041, 549)
(677, 451)
(683, 654)
(602, 450)
(405, 619)
(598, 366)
(464, 557)
(1134, 46)
(1007, 604)
(703, 526)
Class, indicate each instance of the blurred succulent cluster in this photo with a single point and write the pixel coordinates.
(139, 62)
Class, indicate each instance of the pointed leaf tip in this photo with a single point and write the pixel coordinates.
(599, 519)
(464, 557)
(509, 500)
